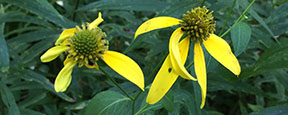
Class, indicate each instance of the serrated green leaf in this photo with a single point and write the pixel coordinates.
(8, 99)
(44, 9)
(108, 102)
(272, 59)
(240, 35)
(137, 5)
(275, 110)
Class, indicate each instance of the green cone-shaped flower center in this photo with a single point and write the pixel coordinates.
(87, 41)
(198, 23)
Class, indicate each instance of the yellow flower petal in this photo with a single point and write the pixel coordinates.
(175, 55)
(125, 66)
(63, 79)
(66, 33)
(67, 60)
(53, 53)
(163, 81)
(156, 23)
(166, 76)
(200, 70)
(96, 22)
(221, 51)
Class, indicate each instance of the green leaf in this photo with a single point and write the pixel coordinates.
(108, 102)
(281, 11)
(275, 110)
(33, 76)
(44, 9)
(77, 106)
(168, 102)
(8, 99)
(240, 35)
(4, 55)
(36, 50)
(33, 37)
(21, 17)
(149, 108)
(30, 112)
(244, 4)
(137, 5)
(176, 9)
(272, 59)
(33, 99)
(281, 76)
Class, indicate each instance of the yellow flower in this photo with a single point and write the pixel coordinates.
(85, 46)
(197, 26)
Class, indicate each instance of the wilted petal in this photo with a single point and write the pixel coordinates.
(156, 23)
(125, 66)
(53, 53)
(166, 76)
(200, 70)
(175, 55)
(96, 22)
(221, 51)
(63, 79)
(66, 33)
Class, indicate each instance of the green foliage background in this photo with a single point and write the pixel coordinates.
(29, 27)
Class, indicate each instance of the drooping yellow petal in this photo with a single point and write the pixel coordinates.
(166, 76)
(53, 53)
(156, 23)
(163, 81)
(175, 55)
(96, 22)
(65, 34)
(67, 60)
(125, 66)
(63, 79)
(221, 51)
(200, 70)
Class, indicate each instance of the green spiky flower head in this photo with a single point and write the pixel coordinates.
(198, 23)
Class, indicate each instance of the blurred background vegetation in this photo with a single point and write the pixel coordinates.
(29, 27)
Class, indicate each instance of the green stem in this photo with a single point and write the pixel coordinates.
(149, 78)
(110, 78)
(75, 8)
(142, 109)
(238, 20)
(188, 66)
(227, 18)
(202, 3)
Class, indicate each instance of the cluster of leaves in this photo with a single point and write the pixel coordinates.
(29, 27)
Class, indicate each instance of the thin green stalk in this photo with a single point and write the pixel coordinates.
(75, 8)
(227, 18)
(238, 20)
(202, 3)
(190, 64)
(142, 109)
(149, 78)
(110, 78)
